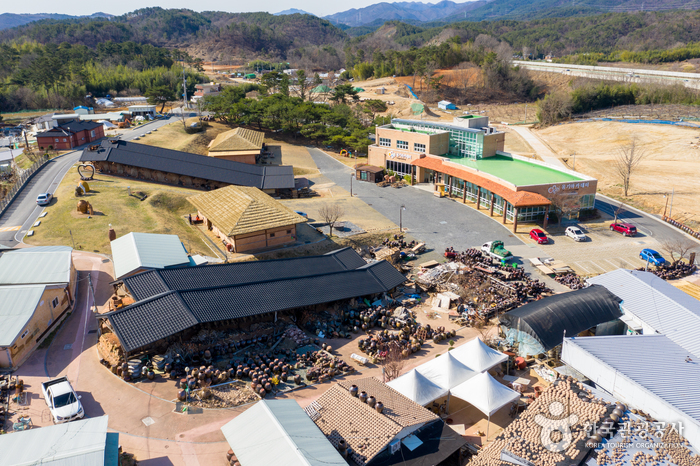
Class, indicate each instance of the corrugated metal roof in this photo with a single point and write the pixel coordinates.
(74, 443)
(153, 251)
(657, 303)
(279, 432)
(17, 305)
(197, 166)
(237, 210)
(152, 283)
(145, 322)
(35, 265)
(654, 362)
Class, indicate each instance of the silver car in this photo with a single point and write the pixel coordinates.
(575, 233)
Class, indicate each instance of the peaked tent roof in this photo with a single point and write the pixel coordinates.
(196, 166)
(546, 320)
(477, 355)
(446, 371)
(415, 386)
(38, 265)
(136, 250)
(237, 139)
(485, 393)
(237, 210)
(657, 303)
(279, 432)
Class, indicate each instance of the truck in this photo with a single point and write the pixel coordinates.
(64, 404)
(496, 250)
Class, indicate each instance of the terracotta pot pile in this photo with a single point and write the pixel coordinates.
(407, 338)
(523, 436)
(323, 366)
(570, 280)
(297, 336)
(202, 377)
(673, 272)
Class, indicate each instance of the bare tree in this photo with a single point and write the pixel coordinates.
(331, 213)
(626, 161)
(618, 211)
(393, 362)
(678, 248)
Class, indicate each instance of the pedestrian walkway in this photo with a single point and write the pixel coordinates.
(540, 147)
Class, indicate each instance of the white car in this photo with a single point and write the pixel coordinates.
(575, 233)
(63, 402)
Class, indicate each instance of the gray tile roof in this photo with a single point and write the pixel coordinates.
(198, 166)
(151, 320)
(155, 282)
(657, 303)
(654, 362)
(148, 321)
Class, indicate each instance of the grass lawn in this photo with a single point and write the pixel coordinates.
(161, 212)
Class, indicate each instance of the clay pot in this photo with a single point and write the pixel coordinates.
(371, 401)
(151, 375)
(363, 396)
(379, 407)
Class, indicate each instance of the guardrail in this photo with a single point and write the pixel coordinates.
(21, 182)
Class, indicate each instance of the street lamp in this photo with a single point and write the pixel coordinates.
(403, 207)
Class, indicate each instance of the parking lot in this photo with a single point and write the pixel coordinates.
(604, 250)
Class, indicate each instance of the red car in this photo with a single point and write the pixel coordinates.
(539, 236)
(627, 229)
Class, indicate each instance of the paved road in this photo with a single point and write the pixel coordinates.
(23, 211)
(611, 73)
(645, 223)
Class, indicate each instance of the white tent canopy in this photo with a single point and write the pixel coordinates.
(478, 356)
(446, 371)
(417, 387)
(485, 393)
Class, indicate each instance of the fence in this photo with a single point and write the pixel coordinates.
(19, 184)
(682, 227)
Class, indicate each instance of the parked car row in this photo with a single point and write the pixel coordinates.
(626, 229)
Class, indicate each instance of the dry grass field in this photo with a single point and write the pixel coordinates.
(672, 161)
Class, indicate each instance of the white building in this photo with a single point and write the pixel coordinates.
(652, 305)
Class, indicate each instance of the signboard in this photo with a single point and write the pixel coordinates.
(399, 155)
(514, 459)
(567, 187)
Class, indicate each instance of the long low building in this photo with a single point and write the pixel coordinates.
(153, 163)
(466, 159)
(648, 372)
(172, 301)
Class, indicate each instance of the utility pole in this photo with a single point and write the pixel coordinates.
(574, 161)
(184, 89)
(670, 212)
(71, 238)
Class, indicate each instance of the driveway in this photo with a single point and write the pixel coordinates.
(23, 212)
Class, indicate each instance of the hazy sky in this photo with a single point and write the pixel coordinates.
(86, 7)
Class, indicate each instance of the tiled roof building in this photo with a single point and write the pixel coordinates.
(367, 432)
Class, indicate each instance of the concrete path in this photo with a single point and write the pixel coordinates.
(539, 146)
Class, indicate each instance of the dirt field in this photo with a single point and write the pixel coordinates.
(672, 162)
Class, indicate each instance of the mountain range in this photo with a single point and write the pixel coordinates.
(433, 14)
(10, 20)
